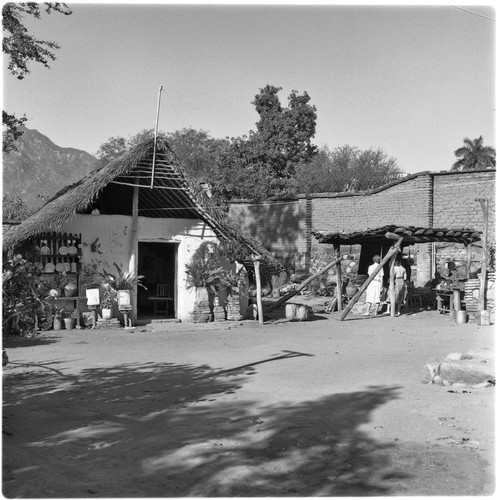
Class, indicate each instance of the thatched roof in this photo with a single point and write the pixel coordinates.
(410, 235)
(110, 190)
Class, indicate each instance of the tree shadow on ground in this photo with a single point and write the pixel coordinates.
(160, 430)
(13, 341)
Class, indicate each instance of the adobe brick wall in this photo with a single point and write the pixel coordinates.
(405, 203)
(280, 225)
(427, 199)
(454, 200)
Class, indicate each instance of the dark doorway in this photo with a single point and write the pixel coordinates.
(157, 263)
(366, 259)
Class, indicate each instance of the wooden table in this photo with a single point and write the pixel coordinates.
(448, 300)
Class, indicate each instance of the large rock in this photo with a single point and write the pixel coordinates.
(474, 367)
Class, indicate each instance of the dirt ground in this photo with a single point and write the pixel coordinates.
(318, 408)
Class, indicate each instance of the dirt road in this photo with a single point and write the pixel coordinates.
(324, 408)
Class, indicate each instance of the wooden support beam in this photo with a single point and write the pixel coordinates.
(338, 290)
(257, 270)
(391, 253)
(291, 294)
(483, 277)
(391, 285)
(468, 259)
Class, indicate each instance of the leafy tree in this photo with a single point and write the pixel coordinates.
(474, 155)
(14, 208)
(111, 149)
(347, 168)
(12, 131)
(23, 296)
(197, 151)
(21, 48)
(264, 163)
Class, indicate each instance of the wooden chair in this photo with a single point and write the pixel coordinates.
(162, 299)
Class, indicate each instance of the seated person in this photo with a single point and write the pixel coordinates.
(435, 281)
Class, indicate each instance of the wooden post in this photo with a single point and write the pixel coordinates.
(260, 312)
(468, 259)
(338, 291)
(483, 278)
(301, 286)
(133, 250)
(391, 285)
(391, 253)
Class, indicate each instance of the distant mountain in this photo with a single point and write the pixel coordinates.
(40, 168)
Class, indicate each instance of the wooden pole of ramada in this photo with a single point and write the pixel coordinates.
(483, 277)
(260, 312)
(289, 295)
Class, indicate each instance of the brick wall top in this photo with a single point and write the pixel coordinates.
(426, 199)
(455, 200)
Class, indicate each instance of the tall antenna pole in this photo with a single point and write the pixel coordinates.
(155, 136)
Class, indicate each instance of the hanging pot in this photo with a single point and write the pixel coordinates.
(350, 290)
(70, 289)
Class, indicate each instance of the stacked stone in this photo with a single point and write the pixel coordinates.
(219, 313)
(471, 295)
(202, 312)
(106, 324)
(233, 309)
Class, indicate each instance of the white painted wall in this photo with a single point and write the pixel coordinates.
(117, 241)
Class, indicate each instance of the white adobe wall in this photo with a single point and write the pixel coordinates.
(117, 243)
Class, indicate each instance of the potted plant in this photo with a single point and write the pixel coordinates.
(234, 283)
(204, 273)
(119, 286)
(57, 283)
(58, 318)
(92, 280)
(108, 297)
(69, 319)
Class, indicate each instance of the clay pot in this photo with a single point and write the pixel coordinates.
(350, 290)
(70, 289)
(106, 313)
(124, 299)
(57, 324)
(69, 323)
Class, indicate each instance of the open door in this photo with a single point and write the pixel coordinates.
(157, 263)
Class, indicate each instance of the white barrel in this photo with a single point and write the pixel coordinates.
(461, 317)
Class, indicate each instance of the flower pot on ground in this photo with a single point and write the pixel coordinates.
(117, 288)
(106, 313)
(69, 323)
(205, 274)
(57, 323)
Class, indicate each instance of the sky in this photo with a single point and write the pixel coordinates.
(413, 80)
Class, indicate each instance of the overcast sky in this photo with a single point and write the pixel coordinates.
(413, 80)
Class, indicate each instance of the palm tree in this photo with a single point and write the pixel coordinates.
(474, 155)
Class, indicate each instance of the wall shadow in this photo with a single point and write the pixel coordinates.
(160, 430)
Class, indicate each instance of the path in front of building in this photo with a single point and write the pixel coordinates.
(323, 408)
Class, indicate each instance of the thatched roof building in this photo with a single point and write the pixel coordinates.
(144, 183)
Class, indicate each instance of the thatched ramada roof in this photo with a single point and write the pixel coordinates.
(110, 190)
(410, 235)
